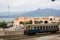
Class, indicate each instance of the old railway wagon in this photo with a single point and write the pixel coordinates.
(40, 28)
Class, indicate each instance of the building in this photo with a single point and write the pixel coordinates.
(35, 20)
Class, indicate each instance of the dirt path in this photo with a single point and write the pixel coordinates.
(54, 37)
(25, 37)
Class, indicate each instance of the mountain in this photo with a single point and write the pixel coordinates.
(42, 12)
(34, 13)
(10, 14)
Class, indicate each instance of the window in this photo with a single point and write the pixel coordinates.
(45, 21)
(43, 27)
(46, 27)
(49, 27)
(40, 27)
(21, 22)
(52, 27)
(50, 19)
(34, 27)
(56, 26)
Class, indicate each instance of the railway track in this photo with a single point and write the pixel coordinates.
(25, 37)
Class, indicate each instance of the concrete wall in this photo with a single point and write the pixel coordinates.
(24, 19)
(10, 31)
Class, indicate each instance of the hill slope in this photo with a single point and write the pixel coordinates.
(34, 13)
(42, 12)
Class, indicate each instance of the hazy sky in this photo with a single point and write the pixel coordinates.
(27, 5)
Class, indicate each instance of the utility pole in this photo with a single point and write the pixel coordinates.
(8, 10)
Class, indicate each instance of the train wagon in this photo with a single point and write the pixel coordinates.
(40, 28)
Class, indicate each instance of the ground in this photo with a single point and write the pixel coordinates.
(16, 35)
(55, 37)
(25, 37)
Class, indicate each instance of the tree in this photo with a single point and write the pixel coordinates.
(30, 22)
(3, 24)
(58, 22)
(26, 22)
(38, 22)
(55, 22)
(12, 23)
